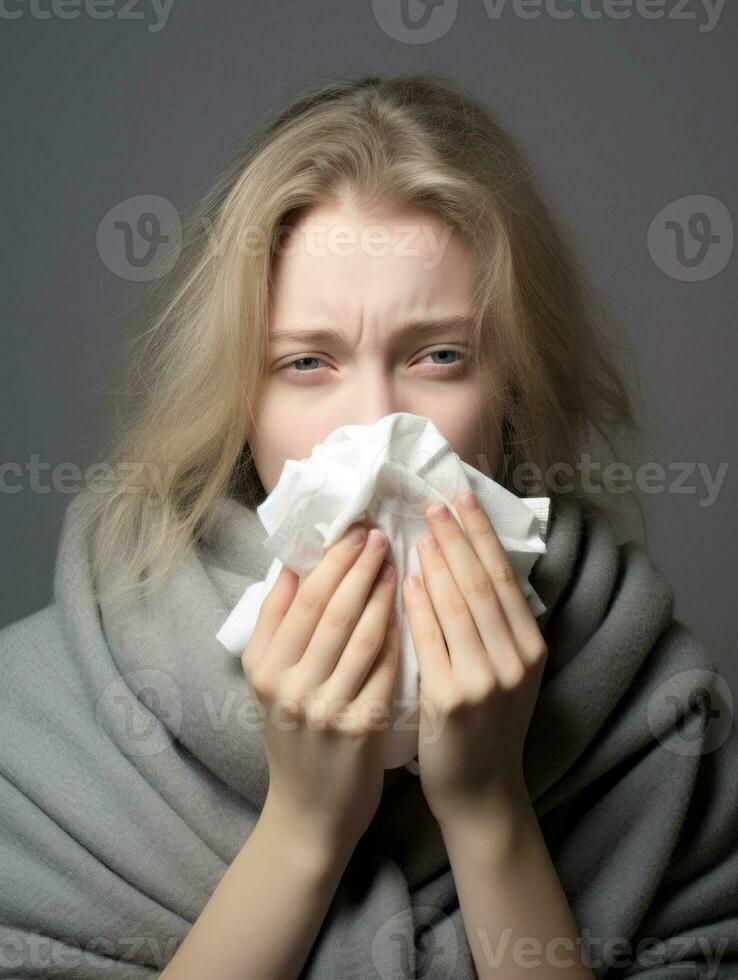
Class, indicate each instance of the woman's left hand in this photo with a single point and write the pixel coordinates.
(481, 657)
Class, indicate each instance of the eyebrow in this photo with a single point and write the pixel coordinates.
(418, 328)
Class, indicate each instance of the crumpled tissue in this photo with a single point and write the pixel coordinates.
(385, 474)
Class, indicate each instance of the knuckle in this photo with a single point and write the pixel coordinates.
(481, 693)
(352, 726)
(338, 616)
(366, 640)
(263, 684)
(453, 703)
(308, 598)
(315, 716)
(533, 644)
(332, 712)
(515, 674)
(291, 698)
(503, 572)
(480, 585)
(290, 711)
(539, 650)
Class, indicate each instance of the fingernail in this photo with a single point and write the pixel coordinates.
(388, 573)
(355, 536)
(376, 539)
(439, 512)
(469, 502)
(429, 543)
(413, 582)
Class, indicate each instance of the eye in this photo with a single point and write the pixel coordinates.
(299, 369)
(450, 361)
(298, 360)
(443, 353)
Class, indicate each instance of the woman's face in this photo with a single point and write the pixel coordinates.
(345, 286)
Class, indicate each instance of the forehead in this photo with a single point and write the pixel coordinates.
(338, 262)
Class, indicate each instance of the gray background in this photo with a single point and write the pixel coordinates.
(622, 116)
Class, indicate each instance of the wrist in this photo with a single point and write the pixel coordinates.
(303, 841)
(496, 820)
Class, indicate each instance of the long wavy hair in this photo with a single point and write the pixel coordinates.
(175, 434)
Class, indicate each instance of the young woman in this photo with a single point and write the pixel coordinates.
(379, 245)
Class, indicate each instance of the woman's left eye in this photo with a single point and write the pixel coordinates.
(445, 352)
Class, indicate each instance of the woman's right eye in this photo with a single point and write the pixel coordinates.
(298, 359)
(293, 372)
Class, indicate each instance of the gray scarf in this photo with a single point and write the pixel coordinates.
(132, 772)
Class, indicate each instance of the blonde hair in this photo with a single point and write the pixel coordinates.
(177, 434)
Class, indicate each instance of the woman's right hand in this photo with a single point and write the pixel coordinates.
(322, 662)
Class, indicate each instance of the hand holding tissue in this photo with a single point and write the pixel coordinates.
(386, 475)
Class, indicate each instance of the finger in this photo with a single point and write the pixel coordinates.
(377, 688)
(478, 590)
(271, 613)
(492, 555)
(346, 601)
(366, 641)
(430, 646)
(466, 650)
(335, 631)
(298, 624)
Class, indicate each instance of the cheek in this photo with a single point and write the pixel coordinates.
(283, 433)
(456, 411)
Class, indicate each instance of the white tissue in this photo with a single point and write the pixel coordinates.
(384, 474)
